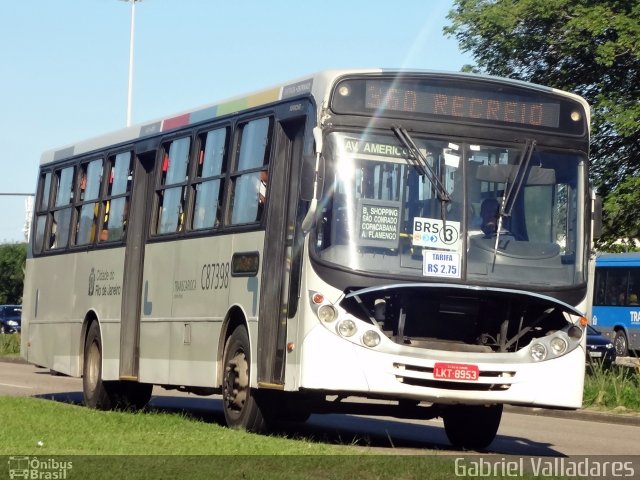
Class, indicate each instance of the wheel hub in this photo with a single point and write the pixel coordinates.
(236, 381)
(93, 366)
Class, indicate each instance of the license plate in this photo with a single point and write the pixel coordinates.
(456, 371)
(595, 354)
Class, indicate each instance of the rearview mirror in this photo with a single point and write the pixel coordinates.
(502, 173)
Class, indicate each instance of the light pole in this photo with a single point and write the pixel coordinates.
(131, 36)
(28, 207)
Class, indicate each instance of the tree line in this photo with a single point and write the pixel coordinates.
(589, 47)
(12, 263)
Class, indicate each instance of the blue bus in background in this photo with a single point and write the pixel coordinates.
(615, 308)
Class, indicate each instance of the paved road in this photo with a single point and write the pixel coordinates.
(519, 434)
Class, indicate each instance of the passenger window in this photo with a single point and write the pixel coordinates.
(42, 210)
(208, 184)
(249, 195)
(89, 206)
(633, 289)
(172, 190)
(46, 190)
(59, 237)
(116, 201)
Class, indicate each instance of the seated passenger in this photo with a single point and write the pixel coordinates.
(489, 214)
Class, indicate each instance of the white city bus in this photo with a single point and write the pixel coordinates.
(415, 237)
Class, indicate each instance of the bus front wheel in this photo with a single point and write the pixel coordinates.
(241, 405)
(620, 344)
(472, 427)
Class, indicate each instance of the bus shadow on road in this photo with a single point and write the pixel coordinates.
(401, 437)
(73, 398)
(383, 434)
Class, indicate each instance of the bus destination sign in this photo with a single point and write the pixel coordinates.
(474, 104)
(460, 100)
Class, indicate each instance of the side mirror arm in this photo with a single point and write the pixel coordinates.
(307, 222)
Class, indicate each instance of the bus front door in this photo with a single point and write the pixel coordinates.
(281, 231)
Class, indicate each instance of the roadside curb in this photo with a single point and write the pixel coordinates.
(632, 419)
(13, 360)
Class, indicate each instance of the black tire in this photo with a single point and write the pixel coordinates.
(108, 395)
(95, 392)
(472, 427)
(240, 403)
(620, 344)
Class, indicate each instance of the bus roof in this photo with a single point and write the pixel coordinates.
(618, 259)
(316, 85)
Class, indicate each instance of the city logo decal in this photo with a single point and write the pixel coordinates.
(92, 282)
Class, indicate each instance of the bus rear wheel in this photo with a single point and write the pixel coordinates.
(620, 344)
(108, 395)
(472, 427)
(240, 403)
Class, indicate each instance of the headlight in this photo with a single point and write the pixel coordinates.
(327, 313)
(347, 328)
(371, 338)
(13, 323)
(538, 352)
(575, 333)
(558, 345)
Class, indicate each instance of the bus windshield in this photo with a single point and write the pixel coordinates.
(498, 214)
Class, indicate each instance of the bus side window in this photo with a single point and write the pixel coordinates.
(59, 237)
(250, 195)
(172, 190)
(600, 287)
(208, 184)
(90, 181)
(116, 202)
(42, 207)
(634, 286)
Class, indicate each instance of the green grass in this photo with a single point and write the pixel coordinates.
(67, 429)
(615, 388)
(163, 445)
(10, 345)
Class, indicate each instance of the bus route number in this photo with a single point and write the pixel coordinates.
(215, 276)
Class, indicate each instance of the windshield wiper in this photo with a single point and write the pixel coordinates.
(419, 161)
(518, 180)
(511, 194)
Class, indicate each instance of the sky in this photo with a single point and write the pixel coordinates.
(65, 63)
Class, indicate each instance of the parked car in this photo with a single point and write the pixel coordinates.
(599, 348)
(10, 318)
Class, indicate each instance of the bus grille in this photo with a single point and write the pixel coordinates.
(423, 377)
